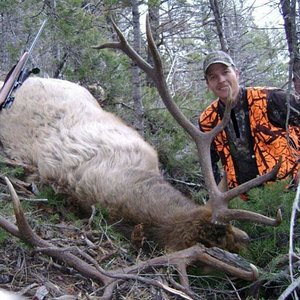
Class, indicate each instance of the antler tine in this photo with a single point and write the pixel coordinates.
(223, 214)
(245, 215)
(163, 90)
(20, 217)
(252, 183)
(153, 50)
(124, 46)
(158, 80)
(9, 227)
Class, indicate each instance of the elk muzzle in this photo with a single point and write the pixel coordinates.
(224, 236)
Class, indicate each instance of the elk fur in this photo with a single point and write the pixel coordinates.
(94, 157)
(7, 295)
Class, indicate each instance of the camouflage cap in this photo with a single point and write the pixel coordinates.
(217, 57)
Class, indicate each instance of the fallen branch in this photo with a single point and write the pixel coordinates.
(6, 197)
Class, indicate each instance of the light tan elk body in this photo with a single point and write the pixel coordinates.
(94, 157)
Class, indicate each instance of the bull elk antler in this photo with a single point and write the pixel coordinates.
(218, 200)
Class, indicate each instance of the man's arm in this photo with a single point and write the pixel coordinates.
(278, 108)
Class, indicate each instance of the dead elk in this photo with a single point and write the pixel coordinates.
(92, 156)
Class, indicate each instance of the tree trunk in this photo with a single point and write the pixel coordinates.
(60, 66)
(136, 76)
(219, 24)
(289, 16)
(153, 11)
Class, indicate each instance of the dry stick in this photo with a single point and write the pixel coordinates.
(294, 283)
(234, 288)
(296, 201)
(292, 225)
(4, 196)
(290, 289)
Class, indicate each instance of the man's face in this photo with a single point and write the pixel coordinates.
(219, 78)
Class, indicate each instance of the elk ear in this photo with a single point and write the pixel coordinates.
(240, 239)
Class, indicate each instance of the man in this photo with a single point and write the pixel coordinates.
(256, 136)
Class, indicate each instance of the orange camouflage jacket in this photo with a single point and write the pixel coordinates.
(268, 142)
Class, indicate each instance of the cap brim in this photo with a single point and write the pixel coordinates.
(217, 62)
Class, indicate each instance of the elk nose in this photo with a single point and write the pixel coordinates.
(243, 235)
(241, 238)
